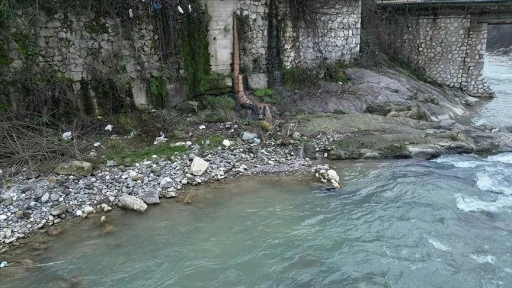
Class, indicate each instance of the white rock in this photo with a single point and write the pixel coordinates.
(226, 143)
(170, 194)
(45, 198)
(248, 136)
(103, 219)
(202, 127)
(109, 128)
(78, 213)
(106, 208)
(67, 136)
(166, 182)
(97, 144)
(333, 175)
(3, 217)
(198, 166)
(132, 203)
(88, 210)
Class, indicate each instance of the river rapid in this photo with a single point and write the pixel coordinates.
(403, 223)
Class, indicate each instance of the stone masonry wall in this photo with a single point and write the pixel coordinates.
(253, 31)
(449, 49)
(336, 37)
(133, 48)
(82, 46)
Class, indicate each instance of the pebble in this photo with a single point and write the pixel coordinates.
(45, 198)
(54, 197)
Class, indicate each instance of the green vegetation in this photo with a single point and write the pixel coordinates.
(334, 73)
(221, 102)
(265, 126)
(211, 141)
(214, 83)
(195, 51)
(121, 151)
(158, 92)
(97, 26)
(299, 77)
(268, 95)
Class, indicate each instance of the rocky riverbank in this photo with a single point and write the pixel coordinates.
(29, 205)
(375, 116)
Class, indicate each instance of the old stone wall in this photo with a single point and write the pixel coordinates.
(448, 49)
(253, 34)
(80, 47)
(136, 46)
(335, 37)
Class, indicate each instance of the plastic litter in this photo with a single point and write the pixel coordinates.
(3, 264)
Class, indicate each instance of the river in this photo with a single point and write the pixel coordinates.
(402, 223)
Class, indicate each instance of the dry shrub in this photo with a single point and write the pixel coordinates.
(36, 143)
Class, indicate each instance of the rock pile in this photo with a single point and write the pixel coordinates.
(327, 175)
(27, 205)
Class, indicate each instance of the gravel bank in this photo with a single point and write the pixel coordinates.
(28, 205)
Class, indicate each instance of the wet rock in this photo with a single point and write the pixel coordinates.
(75, 168)
(59, 209)
(27, 263)
(170, 194)
(425, 151)
(132, 203)
(189, 197)
(106, 208)
(88, 210)
(198, 166)
(54, 230)
(150, 197)
(326, 175)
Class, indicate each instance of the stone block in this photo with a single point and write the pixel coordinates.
(257, 81)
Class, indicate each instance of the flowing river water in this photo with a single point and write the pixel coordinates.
(403, 223)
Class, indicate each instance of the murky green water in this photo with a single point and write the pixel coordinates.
(444, 223)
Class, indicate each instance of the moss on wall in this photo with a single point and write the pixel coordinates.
(195, 50)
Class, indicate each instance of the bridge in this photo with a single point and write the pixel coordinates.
(444, 39)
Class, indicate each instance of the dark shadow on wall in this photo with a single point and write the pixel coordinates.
(499, 36)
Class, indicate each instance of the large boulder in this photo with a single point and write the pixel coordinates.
(151, 197)
(75, 168)
(132, 203)
(198, 166)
